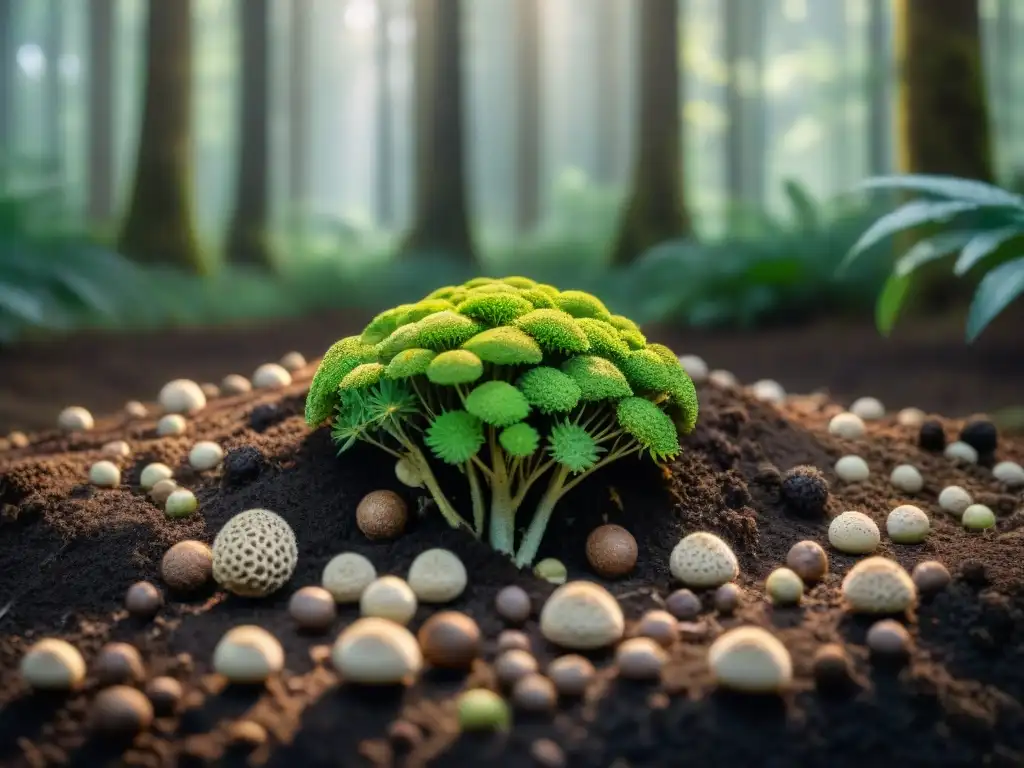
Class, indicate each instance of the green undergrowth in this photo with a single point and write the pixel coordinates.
(515, 383)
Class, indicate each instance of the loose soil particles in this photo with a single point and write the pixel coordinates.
(68, 553)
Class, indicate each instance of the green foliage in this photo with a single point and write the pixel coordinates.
(983, 224)
(542, 395)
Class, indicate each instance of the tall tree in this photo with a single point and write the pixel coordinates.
(879, 129)
(1005, 73)
(944, 120)
(608, 20)
(528, 114)
(102, 15)
(247, 236)
(743, 38)
(441, 215)
(299, 102)
(656, 210)
(160, 225)
(6, 80)
(53, 125)
(385, 170)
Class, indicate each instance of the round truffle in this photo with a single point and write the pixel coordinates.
(1010, 473)
(931, 436)
(868, 408)
(121, 711)
(695, 368)
(271, 376)
(510, 639)
(181, 502)
(381, 515)
(346, 576)
(235, 384)
(513, 604)
(768, 391)
(292, 361)
(907, 524)
(955, 500)
(879, 585)
(205, 455)
(846, 425)
(831, 667)
(171, 425)
(388, 597)
(437, 576)
(254, 554)
(581, 615)
(978, 517)
(116, 449)
(930, 577)
(784, 587)
(551, 570)
(133, 409)
(143, 600)
(611, 551)
(164, 693)
(723, 379)
(808, 560)
(182, 396)
(805, 491)
(728, 598)
(571, 674)
(910, 417)
(312, 608)
(449, 640)
(961, 452)
(889, 639)
(105, 474)
(480, 709)
(248, 654)
(407, 473)
(534, 693)
(683, 604)
(640, 658)
(75, 419)
(376, 651)
(52, 664)
(187, 566)
(210, 389)
(751, 660)
(854, 533)
(162, 491)
(660, 626)
(905, 477)
(514, 664)
(703, 560)
(117, 664)
(153, 474)
(852, 469)
(981, 435)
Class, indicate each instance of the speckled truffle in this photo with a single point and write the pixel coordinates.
(703, 560)
(879, 585)
(255, 553)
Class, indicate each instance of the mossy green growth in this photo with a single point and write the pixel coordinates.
(514, 383)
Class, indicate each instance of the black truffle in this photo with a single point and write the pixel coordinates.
(243, 465)
(805, 491)
(265, 416)
(981, 435)
(932, 437)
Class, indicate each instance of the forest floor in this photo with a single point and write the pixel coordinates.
(69, 551)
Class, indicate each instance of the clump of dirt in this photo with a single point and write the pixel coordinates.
(70, 551)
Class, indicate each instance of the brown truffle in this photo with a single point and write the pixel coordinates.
(513, 604)
(117, 664)
(889, 639)
(831, 667)
(930, 577)
(571, 674)
(164, 694)
(313, 608)
(660, 626)
(381, 515)
(534, 693)
(187, 566)
(513, 640)
(611, 551)
(450, 640)
(683, 604)
(143, 600)
(160, 492)
(808, 560)
(728, 598)
(512, 665)
(121, 711)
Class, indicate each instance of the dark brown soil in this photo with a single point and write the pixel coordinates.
(68, 552)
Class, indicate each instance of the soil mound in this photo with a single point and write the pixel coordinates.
(69, 551)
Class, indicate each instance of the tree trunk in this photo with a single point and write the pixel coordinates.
(609, 91)
(299, 74)
(944, 121)
(528, 114)
(441, 217)
(1005, 97)
(101, 108)
(247, 237)
(385, 121)
(879, 127)
(655, 211)
(160, 227)
(6, 83)
(53, 125)
(743, 36)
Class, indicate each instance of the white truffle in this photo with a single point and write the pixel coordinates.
(75, 419)
(105, 474)
(906, 478)
(205, 455)
(375, 651)
(271, 376)
(702, 559)
(695, 368)
(171, 425)
(961, 451)
(255, 553)
(879, 585)
(182, 396)
(1009, 472)
(234, 384)
(846, 425)
(117, 449)
(854, 533)
(292, 361)
(52, 664)
(784, 587)
(723, 379)
(346, 576)
(408, 474)
(978, 517)
(868, 408)
(248, 654)
(437, 576)
(955, 500)
(768, 391)
(582, 615)
(751, 660)
(907, 524)
(852, 469)
(910, 417)
(180, 502)
(153, 474)
(388, 597)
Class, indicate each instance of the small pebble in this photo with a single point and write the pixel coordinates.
(534, 693)
(513, 640)
(905, 477)
(389, 597)
(695, 368)
(376, 651)
(852, 469)
(480, 709)
(548, 754)
(551, 570)
(162, 490)
(846, 425)
(75, 419)
(271, 376)
(143, 600)
(171, 425)
(571, 674)
(513, 665)
(437, 576)
(513, 604)
(187, 566)
(854, 533)
(117, 664)
(1009, 473)
(116, 449)
(381, 515)
(611, 551)
(978, 517)
(404, 736)
(164, 693)
(292, 361)
(347, 575)
(683, 604)
(234, 384)
(248, 654)
(907, 524)
(955, 500)
(312, 608)
(981, 435)
(52, 664)
(105, 474)
(930, 577)
(768, 391)
(723, 379)
(154, 473)
(931, 436)
(182, 396)
(640, 658)
(868, 408)
(910, 417)
(133, 409)
(660, 626)
(210, 390)
(18, 439)
(205, 455)
(960, 451)
(750, 659)
(808, 560)
(450, 640)
(888, 639)
(180, 503)
(727, 598)
(784, 587)
(831, 667)
(121, 711)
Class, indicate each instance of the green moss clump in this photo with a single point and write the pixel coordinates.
(549, 390)
(650, 425)
(446, 330)
(629, 331)
(476, 282)
(498, 403)
(582, 304)
(519, 282)
(457, 366)
(538, 299)
(409, 363)
(495, 309)
(421, 309)
(505, 346)
(384, 324)
(646, 371)
(597, 378)
(554, 330)
(604, 339)
(519, 440)
(574, 447)
(399, 340)
(337, 363)
(361, 377)
(455, 437)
